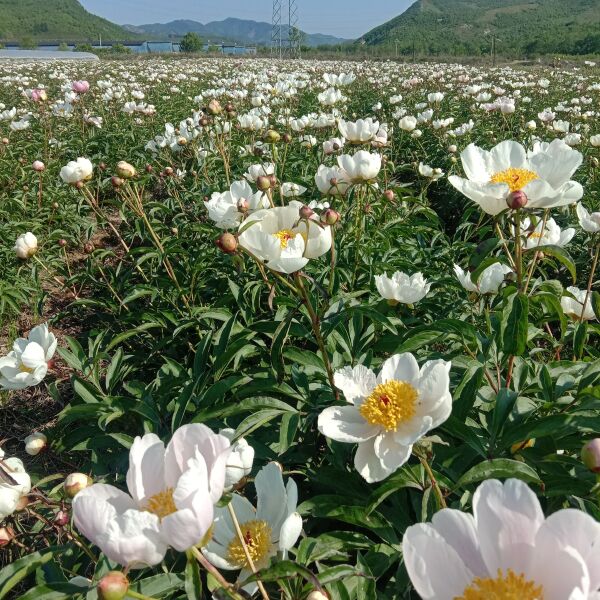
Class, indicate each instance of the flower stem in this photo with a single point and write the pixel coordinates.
(590, 281)
(251, 564)
(434, 483)
(210, 568)
(317, 331)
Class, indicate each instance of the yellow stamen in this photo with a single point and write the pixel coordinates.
(257, 536)
(285, 235)
(515, 179)
(25, 369)
(162, 504)
(507, 587)
(390, 404)
(536, 236)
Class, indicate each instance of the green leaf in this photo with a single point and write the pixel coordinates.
(514, 325)
(579, 338)
(53, 591)
(498, 468)
(193, 581)
(561, 255)
(596, 304)
(16, 571)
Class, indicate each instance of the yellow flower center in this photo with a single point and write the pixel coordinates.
(257, 537)
(25, 369)
(536, 236)
(515, 179)
(390, 404)
(285, 235)
(507, 587)
(162, 504)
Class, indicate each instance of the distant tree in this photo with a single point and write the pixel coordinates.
(120, 49)
(27, 43)
(63, 47)
(83, 48)
(191, 42)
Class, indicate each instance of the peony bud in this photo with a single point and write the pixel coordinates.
(35, 443)
(116, 181)
(61, 518)
(229, 107)
(125, 170)
(38, 166)
(214, 107)
(306, 212)
(590, 455)
(62, 242)
(287, 138)
(330, 217)
(149, 168)
(5, 141)
(88, 247)
(227, 242)
(272, 137)
(6, 536)
(263, 183)
(168, 171)
(389, 195)
(243, 205)
(75, 482)
(517, 200)
(452, 149)
(113, 586)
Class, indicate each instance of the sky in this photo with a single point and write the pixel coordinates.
(342, 18)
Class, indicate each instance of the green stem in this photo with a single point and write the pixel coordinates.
(590, 281)
(317, 331)
(434, 483)
(139, 596)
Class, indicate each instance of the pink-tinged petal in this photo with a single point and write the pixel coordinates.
(576, 529)
(182, 448)
(458, 530)
(146, 473)
(400, 367)
(435, 569)
(345, 424)
(561, 572)
(133, 539)
(355, 383)
(507, 518)
(95, 506)
(368, 464)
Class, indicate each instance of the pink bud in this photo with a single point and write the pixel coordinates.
(113, 586)
(590, 455)
(81, 86)
(517, 200)
(38, 166)
(306, 212)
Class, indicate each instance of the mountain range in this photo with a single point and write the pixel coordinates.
(466, 27)
(238, 30)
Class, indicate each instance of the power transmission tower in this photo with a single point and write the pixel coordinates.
(276, 30)
(286, 38)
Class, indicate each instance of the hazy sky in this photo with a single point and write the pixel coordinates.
(343, 18)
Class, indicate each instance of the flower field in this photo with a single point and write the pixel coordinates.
(299, 330)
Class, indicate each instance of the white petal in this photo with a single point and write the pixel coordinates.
(356, 383)
(345, 424)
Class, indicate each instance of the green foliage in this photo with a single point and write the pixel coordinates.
(191, 42)
(466, 28)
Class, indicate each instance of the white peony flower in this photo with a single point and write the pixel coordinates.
(589, 222)
(408, 123)
(332, 181)
(489, 281)
(272, 527)
(333, 145)
(260, 170)
(171, 496)
(10, 494)
(403, 288)
(27, 364)
(551, 235)
(227, 209)
(573, 307)
(430, 172)
(543, 175)
(292, 190)
(507, 549)
(387, 414)
(26, 245)
(285, 243)
(362, 166)
(359, 132)
(77, 170)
